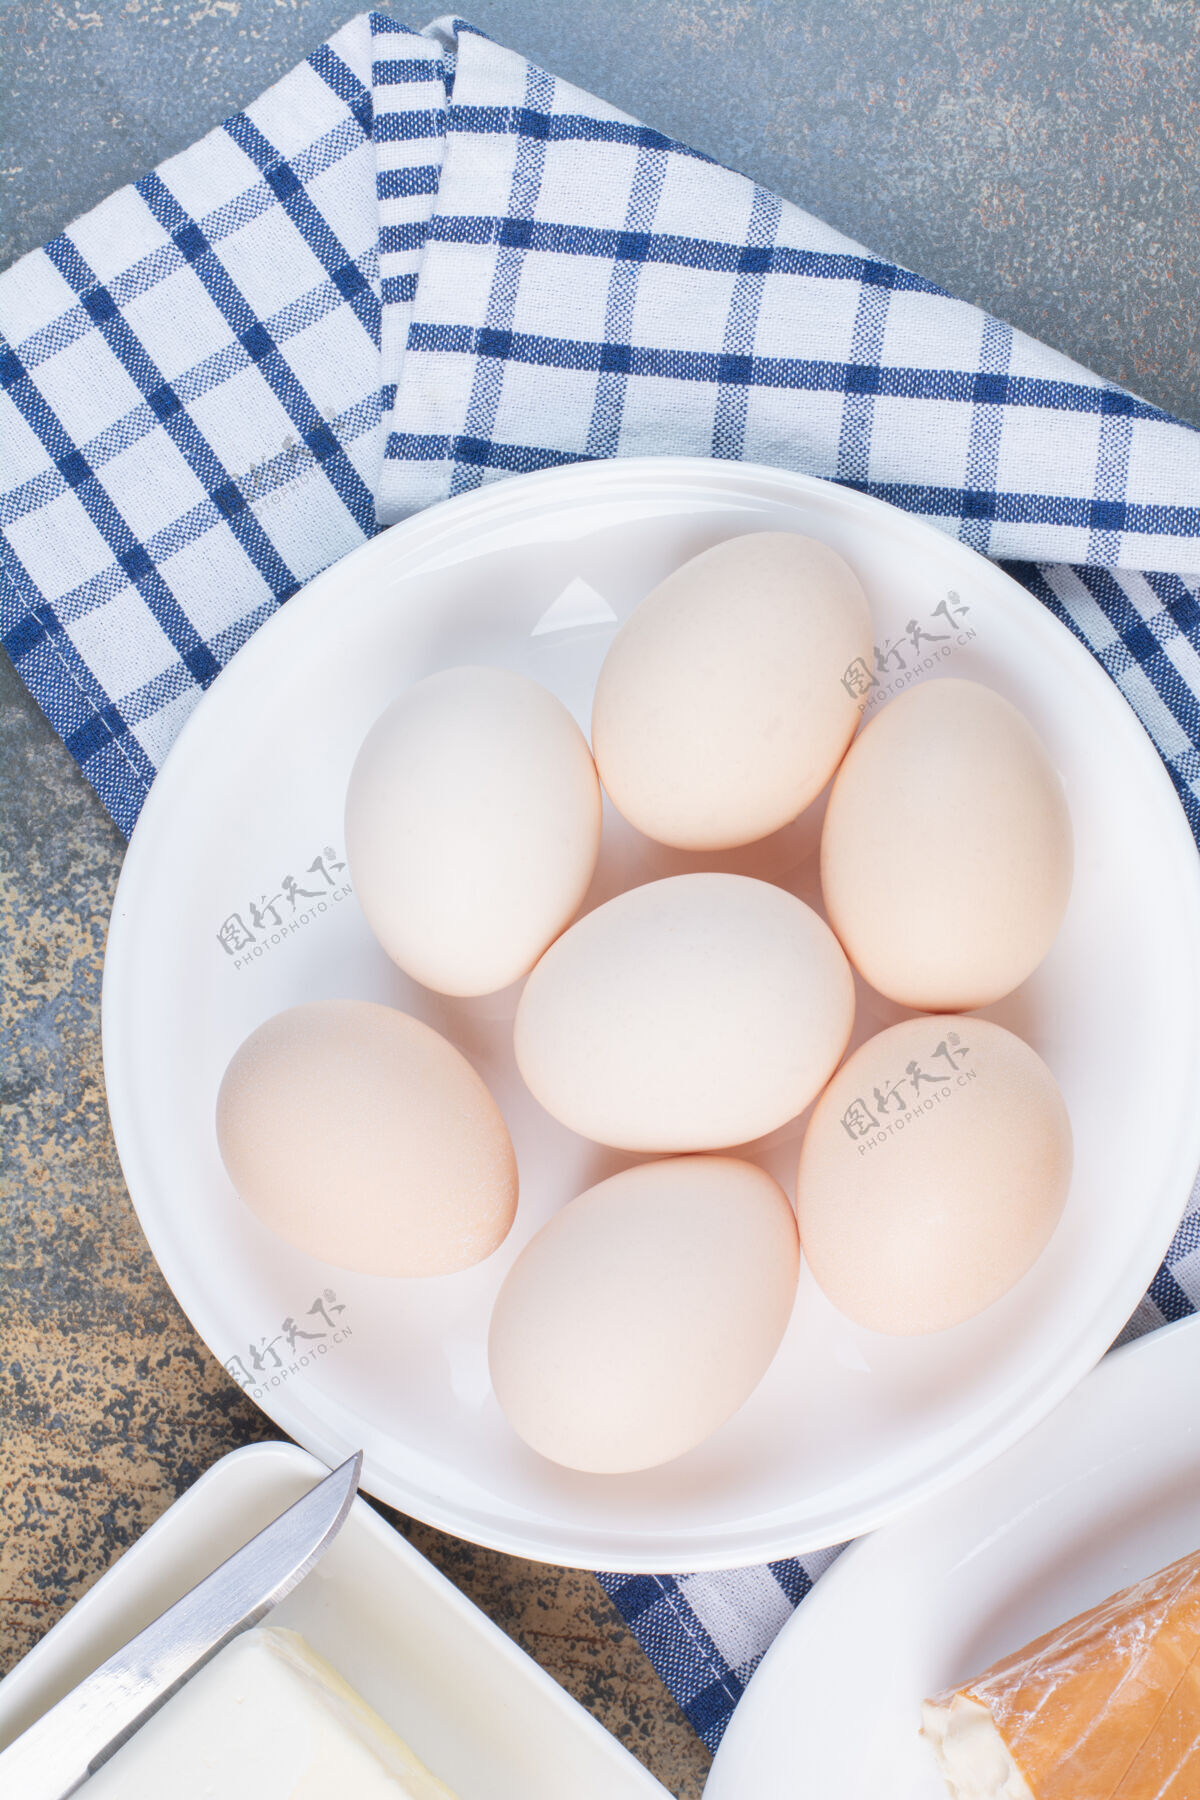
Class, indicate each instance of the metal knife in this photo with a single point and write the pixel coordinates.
(69, 1743)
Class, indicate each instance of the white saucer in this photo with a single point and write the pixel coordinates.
(1101, 1495)
(848, 1429)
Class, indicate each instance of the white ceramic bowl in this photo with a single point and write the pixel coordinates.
(848, 1429)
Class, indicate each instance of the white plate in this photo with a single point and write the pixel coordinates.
(848, 1429)
(475, 1708)
(1101, 1495)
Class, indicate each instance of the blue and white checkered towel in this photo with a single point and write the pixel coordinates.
(419, 263)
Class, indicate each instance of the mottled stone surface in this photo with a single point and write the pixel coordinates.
(1044, 161)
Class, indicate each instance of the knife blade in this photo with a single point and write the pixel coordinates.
(56, 1755)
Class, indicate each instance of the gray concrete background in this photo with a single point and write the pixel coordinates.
(1043, 162)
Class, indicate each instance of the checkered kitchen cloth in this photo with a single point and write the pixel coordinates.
(419, 263)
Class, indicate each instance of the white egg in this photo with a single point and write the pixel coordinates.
(724, 703)
(472, 827)
(365, 1139)
(688, 1014)
(933, 1172)
(645, 1312)
(946, 855)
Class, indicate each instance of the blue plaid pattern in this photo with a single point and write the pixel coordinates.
(418, 264)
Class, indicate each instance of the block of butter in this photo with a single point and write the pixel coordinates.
(266, 1719)
(1105, 1707)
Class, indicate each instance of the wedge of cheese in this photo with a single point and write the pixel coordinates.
(1106, 1707)
(266, 1719)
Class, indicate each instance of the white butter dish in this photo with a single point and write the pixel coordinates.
(477, 1711)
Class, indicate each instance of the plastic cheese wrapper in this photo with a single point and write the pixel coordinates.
(1106, 1707)
(266, 1719)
